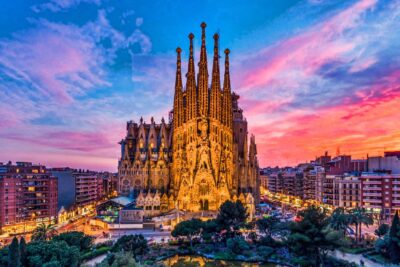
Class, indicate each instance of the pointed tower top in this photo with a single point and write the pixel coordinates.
(191, 60)
(227, 51)
(178, 81)
(203, 33)
(203, 53)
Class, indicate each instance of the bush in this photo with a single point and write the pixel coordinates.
(93, 254)
(136, 244)
(78, 239)
(108, 243)
(265, 251)
(237, 245)
(334, 262)
(119, 259)
(225, 255)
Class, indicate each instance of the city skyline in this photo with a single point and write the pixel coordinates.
(312, 75)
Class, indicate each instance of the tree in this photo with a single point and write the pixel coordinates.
(188, 229)
(134, 244)
(358, 217)
(78, 239)
(22, 250)
(394, 240)
(209, 231)
(44, 232)
(14, 257)
(382, 230)
(311, 238)
(232, 216)
(268, 225)
(237, 244)
(339, 220)
(120, 259)
(52, 253)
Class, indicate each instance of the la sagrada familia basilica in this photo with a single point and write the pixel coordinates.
(202, 156)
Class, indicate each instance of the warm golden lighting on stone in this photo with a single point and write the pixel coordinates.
(202, 157)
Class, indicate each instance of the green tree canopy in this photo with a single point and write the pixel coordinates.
(382, 230)
(119, 259)
(188, 229)
(232, 216)
(311, 238)
(134, 244)
(14, 257)
(339, 220)
(358, 217)
(52, 253)
(22, 251)
(78, 239)
(394, 240)
(44, 232)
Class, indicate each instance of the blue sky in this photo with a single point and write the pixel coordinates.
(72, 72)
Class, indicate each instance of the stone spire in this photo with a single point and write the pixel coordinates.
(202, 79)
(227, 98)
(178, 91)
(215, 105)
(191, 99)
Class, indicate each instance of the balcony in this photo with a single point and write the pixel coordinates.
(372, 194)
(372, 182)
(372, 200)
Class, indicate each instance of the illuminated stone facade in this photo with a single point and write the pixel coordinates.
(202, 157)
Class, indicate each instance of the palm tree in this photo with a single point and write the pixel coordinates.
(358, 217)
(44, 232)
(339, 220)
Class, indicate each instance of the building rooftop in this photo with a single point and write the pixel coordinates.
(124, 201)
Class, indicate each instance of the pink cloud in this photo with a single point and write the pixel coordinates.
(55, 59)
(307, 52)
(359, 128)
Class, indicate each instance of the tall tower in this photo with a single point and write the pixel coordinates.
(191, 95)
(202, 157)
(178, 99)
(227, 97)
(215, 102)
(202, 80)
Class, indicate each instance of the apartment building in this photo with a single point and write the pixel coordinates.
(381, 193)
(347, 191)
(88, 188)
(28, 197)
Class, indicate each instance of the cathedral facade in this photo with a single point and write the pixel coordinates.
(202, 156)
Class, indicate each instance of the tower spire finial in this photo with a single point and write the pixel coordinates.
(227, 97)
(177, 119)
(202, 80)
(215, 105)
(191, 103)
(178, 81)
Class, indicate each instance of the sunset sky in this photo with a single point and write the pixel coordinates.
(313, 75)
